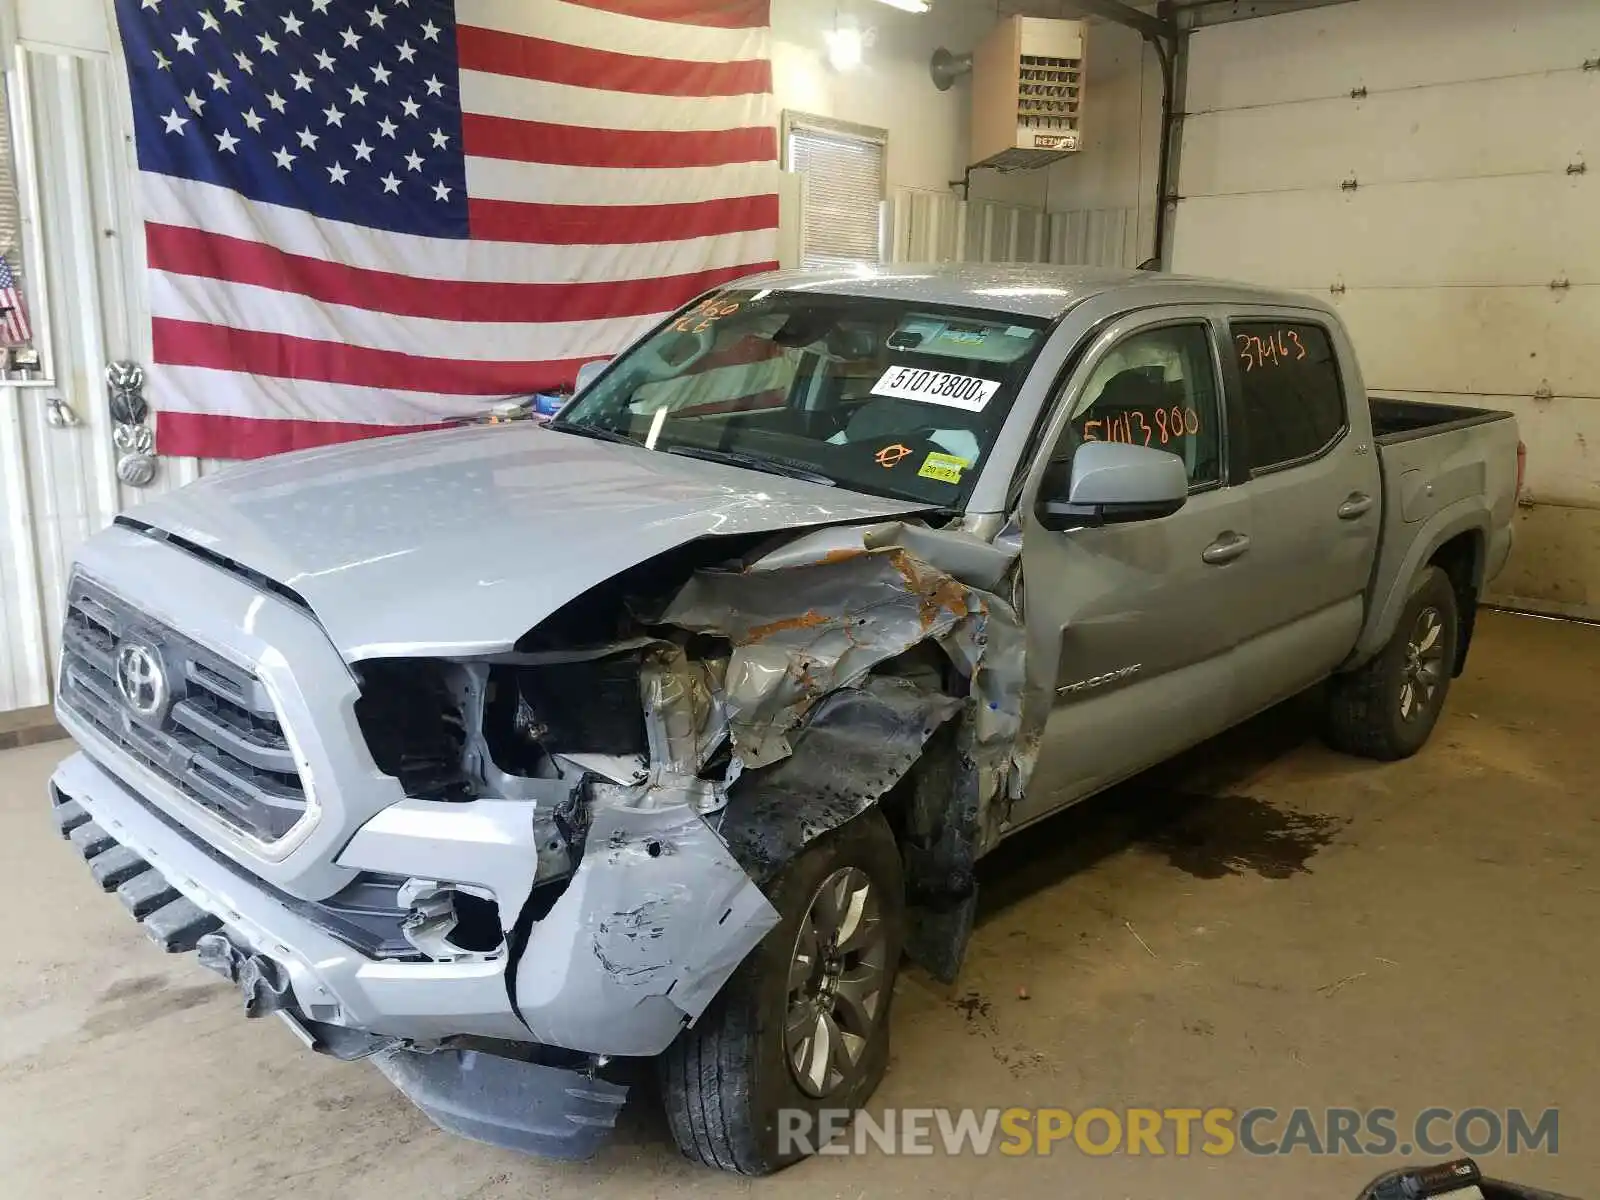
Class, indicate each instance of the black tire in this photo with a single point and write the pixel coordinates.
(725, 1080)
(1365, 708)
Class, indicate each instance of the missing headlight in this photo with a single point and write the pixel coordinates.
(590, 707)
(411, 713)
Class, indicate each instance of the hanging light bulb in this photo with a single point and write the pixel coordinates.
(844, 48)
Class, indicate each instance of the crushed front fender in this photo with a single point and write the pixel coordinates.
(655, 919)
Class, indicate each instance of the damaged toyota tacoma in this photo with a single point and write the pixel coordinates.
(496, 754)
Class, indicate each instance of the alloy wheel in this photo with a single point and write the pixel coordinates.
(837, 972)
(1422, 674)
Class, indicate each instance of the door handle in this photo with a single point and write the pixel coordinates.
(1355, 505)
(1226, 548)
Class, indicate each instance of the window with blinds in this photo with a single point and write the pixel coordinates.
(844, 171)
(10, 204)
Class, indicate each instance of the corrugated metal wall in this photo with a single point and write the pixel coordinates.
(59, 484)
(928, 226)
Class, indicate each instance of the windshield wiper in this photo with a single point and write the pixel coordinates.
(599, 433)
(756, 462)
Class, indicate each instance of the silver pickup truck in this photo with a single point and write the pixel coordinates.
(497, 753)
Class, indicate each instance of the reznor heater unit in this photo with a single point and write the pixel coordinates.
(1027, 86)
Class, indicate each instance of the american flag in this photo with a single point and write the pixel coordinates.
(368, 215)
(13, 316)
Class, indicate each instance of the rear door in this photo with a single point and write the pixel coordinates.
(1133, 624)
(1312, 476)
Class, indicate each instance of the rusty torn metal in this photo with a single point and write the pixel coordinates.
(802, 724)
(821, 612)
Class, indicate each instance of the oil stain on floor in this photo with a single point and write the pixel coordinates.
(1210, 837)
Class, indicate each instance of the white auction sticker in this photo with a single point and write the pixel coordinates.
(936, 387)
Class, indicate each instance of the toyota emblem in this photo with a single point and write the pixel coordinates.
(141, 679)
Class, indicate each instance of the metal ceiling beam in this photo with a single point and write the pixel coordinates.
(1125, 14)
(1198, 14)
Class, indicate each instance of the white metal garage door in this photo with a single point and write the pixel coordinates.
(1421, 163)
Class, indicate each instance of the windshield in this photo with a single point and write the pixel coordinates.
(882, 396)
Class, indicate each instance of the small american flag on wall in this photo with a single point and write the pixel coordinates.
(14, 329)
(368, 215)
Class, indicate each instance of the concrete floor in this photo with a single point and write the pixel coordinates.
(1262, 923)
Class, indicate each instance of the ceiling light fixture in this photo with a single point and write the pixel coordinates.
(844, 48)
(910, 6)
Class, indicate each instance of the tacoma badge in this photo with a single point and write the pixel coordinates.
(1094, 681)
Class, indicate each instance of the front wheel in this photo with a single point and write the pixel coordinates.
(802, 1027)
(1387, 708)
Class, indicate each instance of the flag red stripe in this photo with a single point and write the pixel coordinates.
(218, 435)
(606, 70)
(223, 348)
(613, 224)
(186, 251)
(725, 14)
(573, 146)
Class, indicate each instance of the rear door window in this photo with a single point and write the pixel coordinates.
(1289, 388)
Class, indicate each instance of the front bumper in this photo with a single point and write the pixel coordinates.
(186, 896)
(653, 921)
(146, 858)
(636, 938)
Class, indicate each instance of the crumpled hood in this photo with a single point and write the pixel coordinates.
(459, 542)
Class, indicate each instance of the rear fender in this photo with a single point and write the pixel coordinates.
(1393, 587)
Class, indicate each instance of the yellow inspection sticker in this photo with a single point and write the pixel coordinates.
(946, 468)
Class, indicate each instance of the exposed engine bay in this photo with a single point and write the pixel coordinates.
(687, 727)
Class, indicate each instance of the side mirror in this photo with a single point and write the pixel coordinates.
(1112, 482)
(588, 371)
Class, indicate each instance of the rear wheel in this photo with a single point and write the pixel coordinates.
(1388, 707)
(803, 1024)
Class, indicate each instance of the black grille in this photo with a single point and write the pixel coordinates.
(218, 741)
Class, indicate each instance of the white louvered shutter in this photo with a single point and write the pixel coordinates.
(844, 187)
(10, 205)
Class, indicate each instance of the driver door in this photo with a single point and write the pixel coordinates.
(1130, 625)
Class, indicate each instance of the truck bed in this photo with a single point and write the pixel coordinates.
(1448, 471)
(1395, 420)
